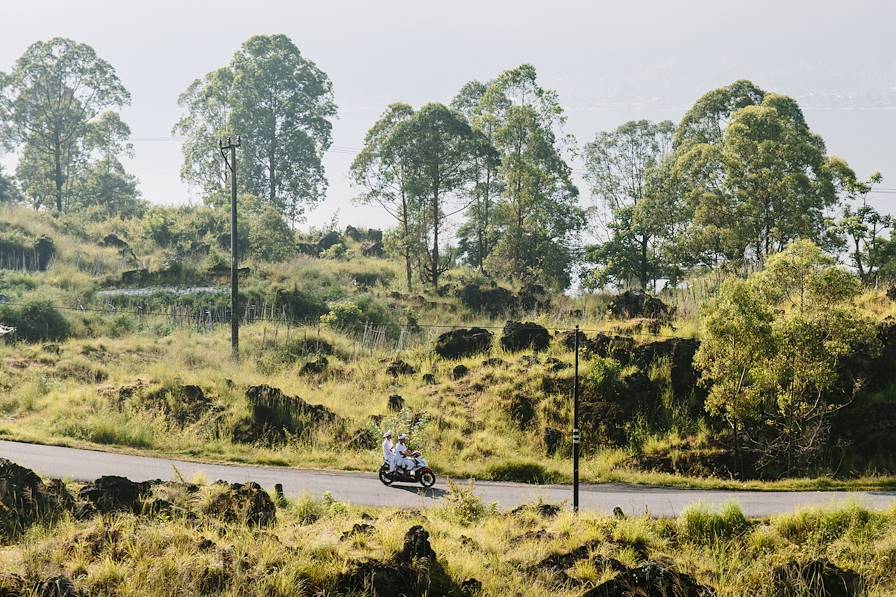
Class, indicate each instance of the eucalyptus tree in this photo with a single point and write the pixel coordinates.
(280, 104)
(435, 147)
(53, 105)
(385, 181)
(477, 234)
(756, 176)
(623, 169)
(538, 218)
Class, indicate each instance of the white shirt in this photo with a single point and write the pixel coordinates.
(401, 448)
(387, 449)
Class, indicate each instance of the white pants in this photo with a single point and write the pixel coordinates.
(405, 463)
(393, 462)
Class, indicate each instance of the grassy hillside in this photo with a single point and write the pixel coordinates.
(151, 371)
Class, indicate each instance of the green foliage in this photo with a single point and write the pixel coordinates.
(698, 524)
(55, 103)
(623, 167)
(463, 506)
(520, 471)
(36, 319)
(281, 104)
(351, 315)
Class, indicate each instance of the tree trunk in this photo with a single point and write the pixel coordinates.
(644, 276)
(435, 236)
(57, 155)
(407, 239)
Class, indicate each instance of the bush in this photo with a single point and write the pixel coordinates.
(698, 524)
(521, 471)
(352, 314)
(462, 505)
(35, 320)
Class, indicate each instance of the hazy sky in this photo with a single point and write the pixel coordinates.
(609, 61)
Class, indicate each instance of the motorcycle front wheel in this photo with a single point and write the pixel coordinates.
(384, 476)
(428, 479)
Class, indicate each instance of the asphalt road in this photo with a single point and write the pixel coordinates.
(366, 489)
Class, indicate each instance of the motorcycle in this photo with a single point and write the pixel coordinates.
(419, 473)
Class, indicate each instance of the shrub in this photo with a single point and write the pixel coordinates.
(35, 320)
(353, 314)
(462, 505)
(522, 471)
(337, 251)
(700, 525)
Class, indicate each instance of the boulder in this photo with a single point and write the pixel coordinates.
(518, 336)
(552, 439)
(650, 578)
(471, 586)
(244, 503)
(328, 240)
(634, 303)
(428, 379)
(112, 240)
(373, 249)
(816, 577)
(493, 301)
(276, 416)
(459, 372)
(182, 404)
(568, 339)
(522, 411)
(354, 234)
(461, 343)
(315, 367)
(45, 251)
(111, 493)
(57, 586)
(534, 297)
(375, 235)
(396, 403)
(26, 500)
(412, 572)
(310, 249)
(399, 367)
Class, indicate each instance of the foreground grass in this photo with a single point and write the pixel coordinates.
(312, 543)
(66, 394)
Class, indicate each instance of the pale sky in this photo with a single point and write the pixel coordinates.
(609, 61)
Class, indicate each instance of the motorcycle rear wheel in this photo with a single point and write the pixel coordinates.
(428, 479)
(385, 479)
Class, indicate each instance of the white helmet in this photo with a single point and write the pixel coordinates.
(387, 434)
(402, 436)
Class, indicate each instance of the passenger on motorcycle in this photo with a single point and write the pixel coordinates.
(402, 453)
(389, 451)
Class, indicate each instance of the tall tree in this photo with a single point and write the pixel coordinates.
(281, 104)
(383, 176)
(756, 176)
(622, 167)
(435, 146)
(51, 100)
(862, 226)
(539, 217)
(476, 235)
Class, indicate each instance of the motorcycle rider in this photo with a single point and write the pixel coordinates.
(389, 451)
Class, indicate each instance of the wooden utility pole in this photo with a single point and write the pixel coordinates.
(223, 146)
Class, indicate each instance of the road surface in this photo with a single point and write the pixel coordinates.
(365, 489)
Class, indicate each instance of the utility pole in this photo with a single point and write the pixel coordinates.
(575, 430)
(223, 146)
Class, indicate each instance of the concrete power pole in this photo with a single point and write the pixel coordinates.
(223, 146)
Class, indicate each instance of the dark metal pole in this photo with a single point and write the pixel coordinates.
(234, 243)
(575, 430)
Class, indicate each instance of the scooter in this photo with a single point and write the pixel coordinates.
(420, 473)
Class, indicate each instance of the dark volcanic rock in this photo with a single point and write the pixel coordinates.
(58, 586)
(552, 439)
(522, 411)
(315, 367)
(494, 301)
(816, 577)
(245, 503)
(471, 586)
(650, 578)
(359, 528)
(428, 379)
(328, 240)
(459, 372)
(396, 403)
(45, 250)
(461, 343)
(518, 336)
(632, 303)
(413, 572)
(568, 340)
(25, 499)
(374, 249)
(112, 493)
(399, 367)
(275, 416)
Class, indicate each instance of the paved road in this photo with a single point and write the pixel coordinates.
(365, 488)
